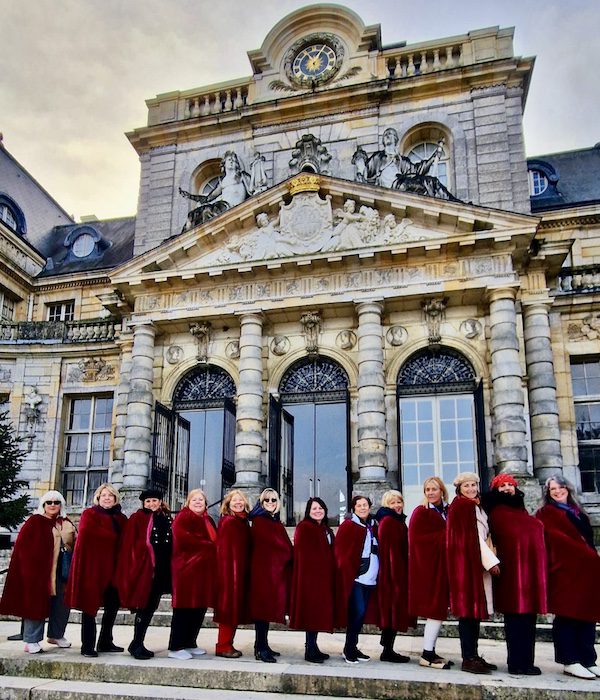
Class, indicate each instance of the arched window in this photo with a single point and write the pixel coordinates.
(440, 419)
(308, 437)
(421, 142)
(538, 183)
(203, 403)
(12, 215)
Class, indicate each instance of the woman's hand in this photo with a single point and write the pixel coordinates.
(495, 570)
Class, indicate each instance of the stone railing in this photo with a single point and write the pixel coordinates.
(59, 331)
(577, 280)
(410, 61)
(218, 101)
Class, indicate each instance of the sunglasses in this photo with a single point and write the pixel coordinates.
(53, 503)
(269, 500)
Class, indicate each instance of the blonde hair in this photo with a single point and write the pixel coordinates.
(440, 483)
(389, 496)
(225, 510)
(191, 494)
(270, 492)
(108, 487)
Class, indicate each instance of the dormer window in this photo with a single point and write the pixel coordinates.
(84, 242)
(538, 183)
(83, 245)
(11, 214)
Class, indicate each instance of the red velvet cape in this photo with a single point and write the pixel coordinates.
(465, 571)
(428, 589)
(28, 585)
(233, 570)
(347, 549)
(573, 568)
(392, 581)
(194, 561)
(519, 541)
(94, 559)
(313, 579)
(270, 569)
(135, 565)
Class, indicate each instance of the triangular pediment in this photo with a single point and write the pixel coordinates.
(315, 218)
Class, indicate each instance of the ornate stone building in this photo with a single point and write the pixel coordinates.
(334, 283)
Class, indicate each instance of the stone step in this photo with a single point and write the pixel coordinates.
(121, 677)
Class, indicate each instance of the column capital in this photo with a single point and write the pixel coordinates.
(369, 306)
(125, 340)
(498, 293)
(529, 304)
(251, 316)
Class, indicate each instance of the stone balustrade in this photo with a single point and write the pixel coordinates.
(578, 280)
(215, 102)
(411, 61)
(97, 330)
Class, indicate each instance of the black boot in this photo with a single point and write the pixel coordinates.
(140, 627)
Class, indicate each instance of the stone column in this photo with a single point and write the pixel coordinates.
(138, 426)
(508, 401)
(249, 414)
(372, 456)
(543, 406)
(125, 342)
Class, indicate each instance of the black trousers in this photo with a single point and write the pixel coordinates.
(574, 641)
(388, 637)
(519, 630)
(143, 616)
(185, 626)
(468, 631)
(111, 604)
(261, 632)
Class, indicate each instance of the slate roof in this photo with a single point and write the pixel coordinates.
(115, 247)
(576, 176)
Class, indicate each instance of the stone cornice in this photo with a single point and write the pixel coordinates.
(87, 279)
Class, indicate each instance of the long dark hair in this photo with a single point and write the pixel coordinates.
(321, 502)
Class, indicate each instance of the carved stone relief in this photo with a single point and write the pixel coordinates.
(174, 354)
(280, 345)
(232, 350)
(311, 324)
(309, 153)
(586, 329)
(91, 369)
(346, 340)
(5, 375)
(471, 328)
(434, 311)
(202, 332)
(396, 335)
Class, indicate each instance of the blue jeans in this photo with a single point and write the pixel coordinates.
(357, 609)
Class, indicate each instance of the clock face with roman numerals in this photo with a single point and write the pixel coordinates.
(314, 59)
(315, 62)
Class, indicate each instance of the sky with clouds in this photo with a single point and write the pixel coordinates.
(74, 74)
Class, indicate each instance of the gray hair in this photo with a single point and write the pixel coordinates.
(52, 496)
(561, 481)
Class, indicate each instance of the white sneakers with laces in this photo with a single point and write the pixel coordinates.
(33, 648)
(62, 643)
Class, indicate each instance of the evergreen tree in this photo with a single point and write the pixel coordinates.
(12, 510)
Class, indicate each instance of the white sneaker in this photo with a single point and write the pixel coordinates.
(33, 648)
(184, 655)
(196, 651)
(579, 671)
(62, 643)
(595, 670)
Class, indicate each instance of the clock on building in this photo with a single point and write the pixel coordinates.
(314, 59)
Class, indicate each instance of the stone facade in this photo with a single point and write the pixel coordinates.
(320, 265)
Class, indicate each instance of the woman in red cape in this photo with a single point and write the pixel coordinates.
(392, 582)
(92, 578)
(573, 576)
(357, 565)
(194, 575)
(520, 590)
(270, 571)
(34, 587)
(144, 565)
(470, 558)
(428, 592)
(313, 578)
(233, 571)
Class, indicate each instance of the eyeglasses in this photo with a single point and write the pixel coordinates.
(269, 500)
(53, 503)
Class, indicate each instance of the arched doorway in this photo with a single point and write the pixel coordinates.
(440, 420)
(308, 438)
(203, 398)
